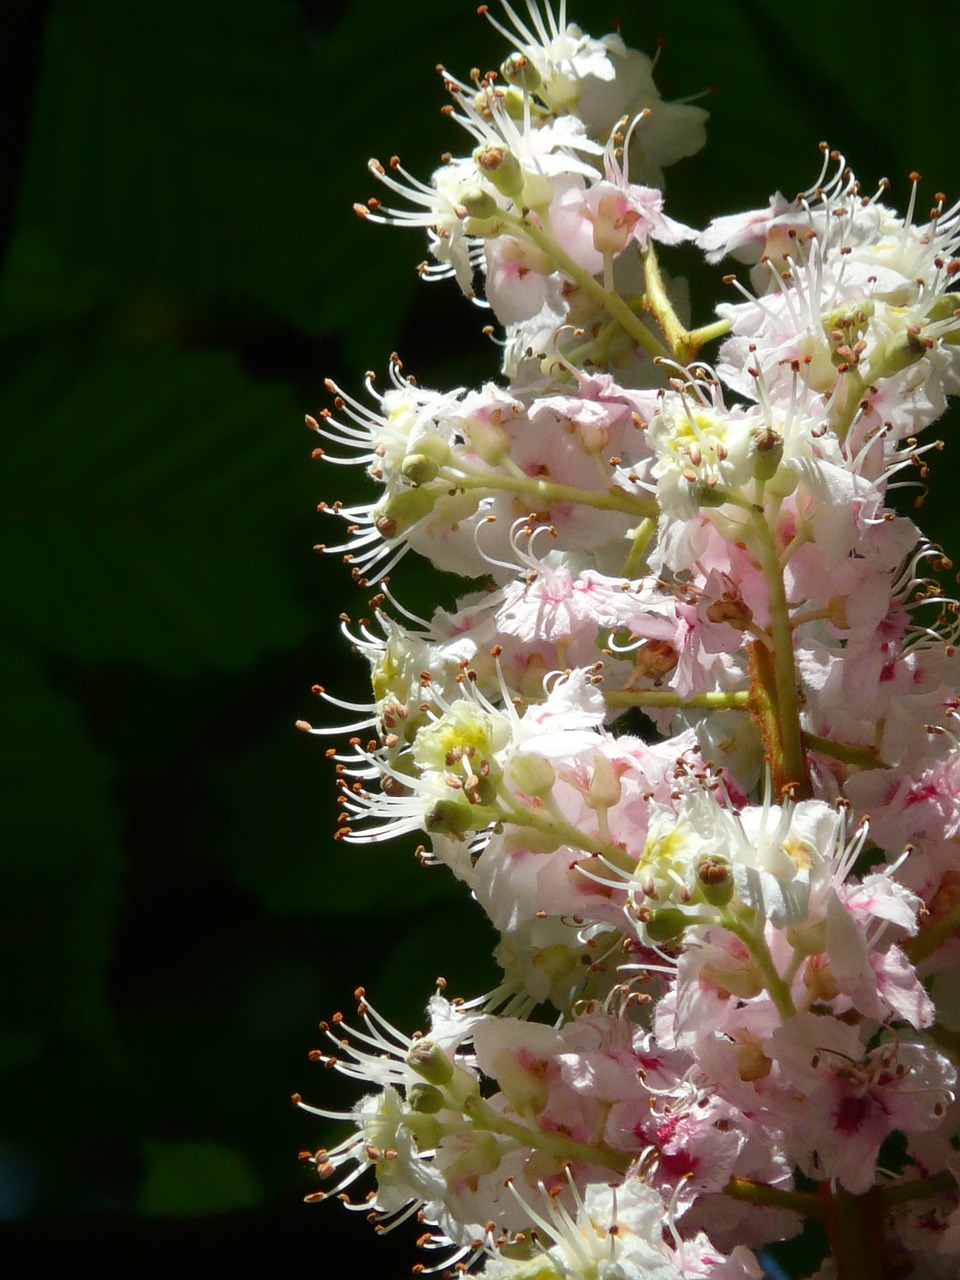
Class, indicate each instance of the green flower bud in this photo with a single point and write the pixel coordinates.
(429, 1061)
(477, 203)
(520, 71)
(715, 878)
(947, 305)
(454, 818)
(665, 924)
(501, 167)
(768, 445)
(425, 1099)
(898, 353)
(401, 511)
(418, 469)
(846, 325)
(711, 495)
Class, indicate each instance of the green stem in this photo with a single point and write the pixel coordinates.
(802, 1202)
(760, 952)
(557, 1144)
(713, 701)
(919, 1189)
(660, 307)
(697, 338)
(788, 759)
(863, 757)
(565, 833)
(636, 557)
(848, 402)
(547, 492)
(612, 303)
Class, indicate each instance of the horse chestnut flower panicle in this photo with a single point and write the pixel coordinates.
(690, 740)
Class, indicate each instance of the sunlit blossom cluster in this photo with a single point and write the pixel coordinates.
(689, 735)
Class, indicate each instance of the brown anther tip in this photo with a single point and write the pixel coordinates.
(296, 1099)
(304, 726)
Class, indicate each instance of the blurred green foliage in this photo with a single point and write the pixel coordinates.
(182, 271)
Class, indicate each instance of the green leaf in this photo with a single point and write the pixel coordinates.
(279, 816)
(59, 867)
(190, 1179)
(150, 497)
(213, 152)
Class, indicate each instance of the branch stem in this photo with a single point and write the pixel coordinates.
(788, 760)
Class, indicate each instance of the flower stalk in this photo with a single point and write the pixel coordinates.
(687, 733)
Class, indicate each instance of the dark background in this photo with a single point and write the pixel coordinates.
(179, 270)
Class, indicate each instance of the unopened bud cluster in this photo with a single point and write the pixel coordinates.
(689, 735)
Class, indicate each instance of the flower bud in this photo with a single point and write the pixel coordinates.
(454, 818)
(715, 878)
(418, 469)
(425, 1099)
(946, 306)
(846, 325)
(501, 167)
(708, 495)
(898, 353)
(429, 1061)
(768, 446)
(613, 221)
(665, 924)
(520, 71)
(476, 202)
(399, 512)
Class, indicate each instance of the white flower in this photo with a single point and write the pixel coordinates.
(562, 55)
(438, 208)
(700, 450)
